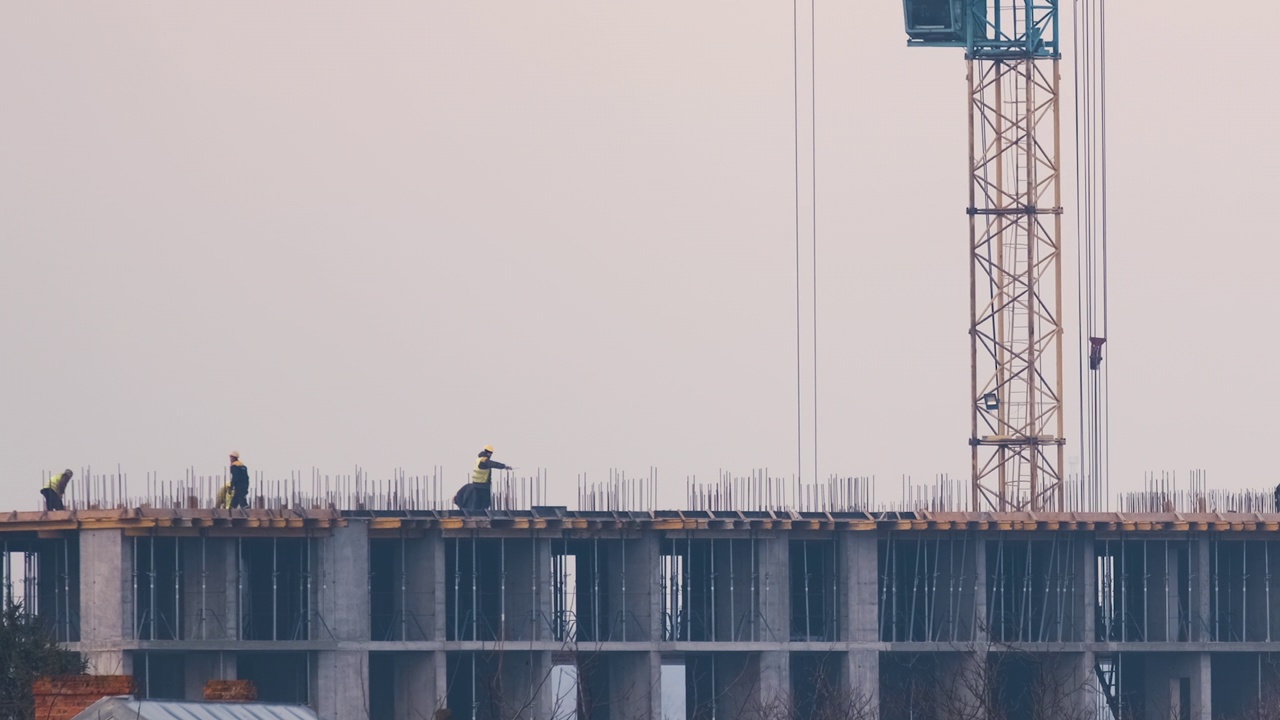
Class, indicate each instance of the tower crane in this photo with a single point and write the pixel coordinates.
(1012, 52)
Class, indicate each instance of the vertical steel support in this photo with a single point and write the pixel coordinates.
(808, 633)
(595, 589)
(309, 599)
(915, 591)
(1266, 579)
(1146, 591)
(475, 597)
(177, 588)
(733, 614)
(684, 586)
(151, 594)
(240, 588)
(457, 585)
(502, 588)
(833, 610)
(134, 571)
(1124, 592)
(404, 591)
(886, 584)
(755, 592)
(931, 590)
(535, 608)
(204, 584)
(1217, 596)
(1166, 593)
(622, 577)
(1244, 590)
(275, 596)
(66, 588)
(1025, 620)
(712, 612)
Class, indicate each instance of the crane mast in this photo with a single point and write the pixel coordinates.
(1015, 229)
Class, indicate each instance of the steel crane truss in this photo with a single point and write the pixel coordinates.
(1015, 223)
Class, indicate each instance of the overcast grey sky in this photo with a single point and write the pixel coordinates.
(387, 233)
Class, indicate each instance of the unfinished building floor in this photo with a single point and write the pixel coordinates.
(707, 615)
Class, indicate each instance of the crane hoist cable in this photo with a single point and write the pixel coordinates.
(1089, 43)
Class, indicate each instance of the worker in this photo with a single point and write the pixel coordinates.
(224, 497)
(478, 494)
(1278, 498)
(55, 489)
(239, 482)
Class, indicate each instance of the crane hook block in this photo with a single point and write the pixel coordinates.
(1095, 352)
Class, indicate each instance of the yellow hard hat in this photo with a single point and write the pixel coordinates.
(488, 448)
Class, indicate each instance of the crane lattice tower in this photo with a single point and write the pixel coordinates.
(1015, 228)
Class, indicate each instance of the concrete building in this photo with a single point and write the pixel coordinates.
(611, 615)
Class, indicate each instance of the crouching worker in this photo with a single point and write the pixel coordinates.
(55, 489)
(478, 494)
(224, 497)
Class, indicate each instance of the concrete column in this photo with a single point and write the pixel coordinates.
(344, 583)
(435, 549)
(633, 594)
(414, 601)
(526, 692)
(980, 633)
(201, 667)
(728, 683)
(773, 574)
(774, 686)
(1202, 625)
(964, 679)
(1202, 687)
(340, 684)
(106, 600)
(523, 565)
(208, 588)
(859, 579)
(420, 684)
(1071, 685)
(634, 691)
(862, 676)
(1165, 676)
(1087, 601)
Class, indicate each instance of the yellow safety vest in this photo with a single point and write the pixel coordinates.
(480, 475)
(57, 484)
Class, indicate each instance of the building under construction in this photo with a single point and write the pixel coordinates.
(396, 612)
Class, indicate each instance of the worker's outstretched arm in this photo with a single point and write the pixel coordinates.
(493, 465)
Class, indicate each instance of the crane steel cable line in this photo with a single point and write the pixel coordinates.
(1089, 29)
(813, 155)
(795, 134)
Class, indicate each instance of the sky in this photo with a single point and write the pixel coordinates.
(385, 234)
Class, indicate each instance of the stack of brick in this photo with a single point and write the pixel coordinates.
(230, 691)
(62, 697)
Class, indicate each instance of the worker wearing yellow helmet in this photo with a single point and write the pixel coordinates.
(478, 494)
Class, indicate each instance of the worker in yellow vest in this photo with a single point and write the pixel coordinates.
(478, 494)
(55, 489)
